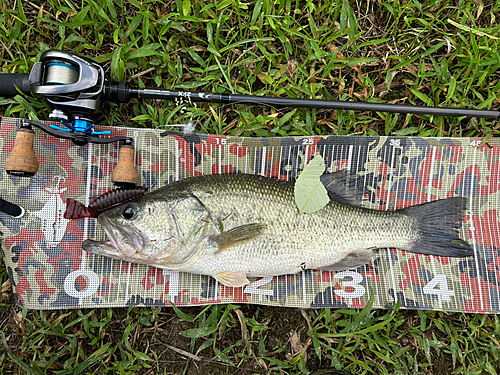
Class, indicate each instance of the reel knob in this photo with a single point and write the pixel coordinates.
(125, 174)
(22, 160)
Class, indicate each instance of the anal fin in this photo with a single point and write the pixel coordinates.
(233, 279)
(350, 261)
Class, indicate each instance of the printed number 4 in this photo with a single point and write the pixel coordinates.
(443, 291)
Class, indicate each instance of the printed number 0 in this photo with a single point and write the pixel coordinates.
(356, 279)
(92, 283)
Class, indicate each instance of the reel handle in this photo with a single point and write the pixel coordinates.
(125, 174)
(22, 160)
(9, 82)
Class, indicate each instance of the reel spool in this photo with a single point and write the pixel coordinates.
(58, 72)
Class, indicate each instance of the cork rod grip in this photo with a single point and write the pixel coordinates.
(22, 160)
(125, 173)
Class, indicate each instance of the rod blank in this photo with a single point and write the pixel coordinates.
(309, 103)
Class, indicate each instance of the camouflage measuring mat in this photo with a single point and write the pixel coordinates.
(49, 270)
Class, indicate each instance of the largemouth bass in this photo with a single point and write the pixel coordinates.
(236, 226)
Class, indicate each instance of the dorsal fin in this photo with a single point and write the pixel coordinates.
(342, 187)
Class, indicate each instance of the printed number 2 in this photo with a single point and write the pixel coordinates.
(443, 291)
(356, 279)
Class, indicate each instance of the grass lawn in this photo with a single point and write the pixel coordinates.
(442, 53)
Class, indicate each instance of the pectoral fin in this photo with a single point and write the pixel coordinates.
(238, 235)
(350, 261)
(234, 279)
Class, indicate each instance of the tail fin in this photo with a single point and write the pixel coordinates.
(439, 223)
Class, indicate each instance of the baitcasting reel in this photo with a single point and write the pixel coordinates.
(72, 87)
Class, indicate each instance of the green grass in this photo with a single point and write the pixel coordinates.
(442, 53)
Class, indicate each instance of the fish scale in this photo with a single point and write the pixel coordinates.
(237, 226)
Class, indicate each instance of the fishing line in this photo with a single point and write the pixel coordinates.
(191, 125)
(61, 73)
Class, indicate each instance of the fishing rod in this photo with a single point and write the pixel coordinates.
(74, 88)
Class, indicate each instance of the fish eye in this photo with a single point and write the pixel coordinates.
(130, 212)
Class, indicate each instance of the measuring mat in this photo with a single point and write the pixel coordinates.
(49, 270)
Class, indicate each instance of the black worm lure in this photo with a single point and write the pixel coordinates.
(103, 202)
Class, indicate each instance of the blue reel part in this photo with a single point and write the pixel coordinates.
(80, 126)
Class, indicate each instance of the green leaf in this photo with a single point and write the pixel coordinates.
(143, 52)
(141, 355)
(186, 7)
(180, 314)
(27, 107)
(310, 194)
(222, 356)
(256, 11)
(451, 88)
(486, 139)
(30, 369)
(362, 60)
(224, 4)
(196, 57)
(205, 345)
(471, 30)
(142, 118)
(198, 332)
(406, 131)
(115, 59)
(422, 97)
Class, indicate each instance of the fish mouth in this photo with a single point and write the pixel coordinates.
(124, 241)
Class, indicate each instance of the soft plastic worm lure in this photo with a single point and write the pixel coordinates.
(103, 202)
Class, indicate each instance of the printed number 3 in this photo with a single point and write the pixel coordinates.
(356, 279)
